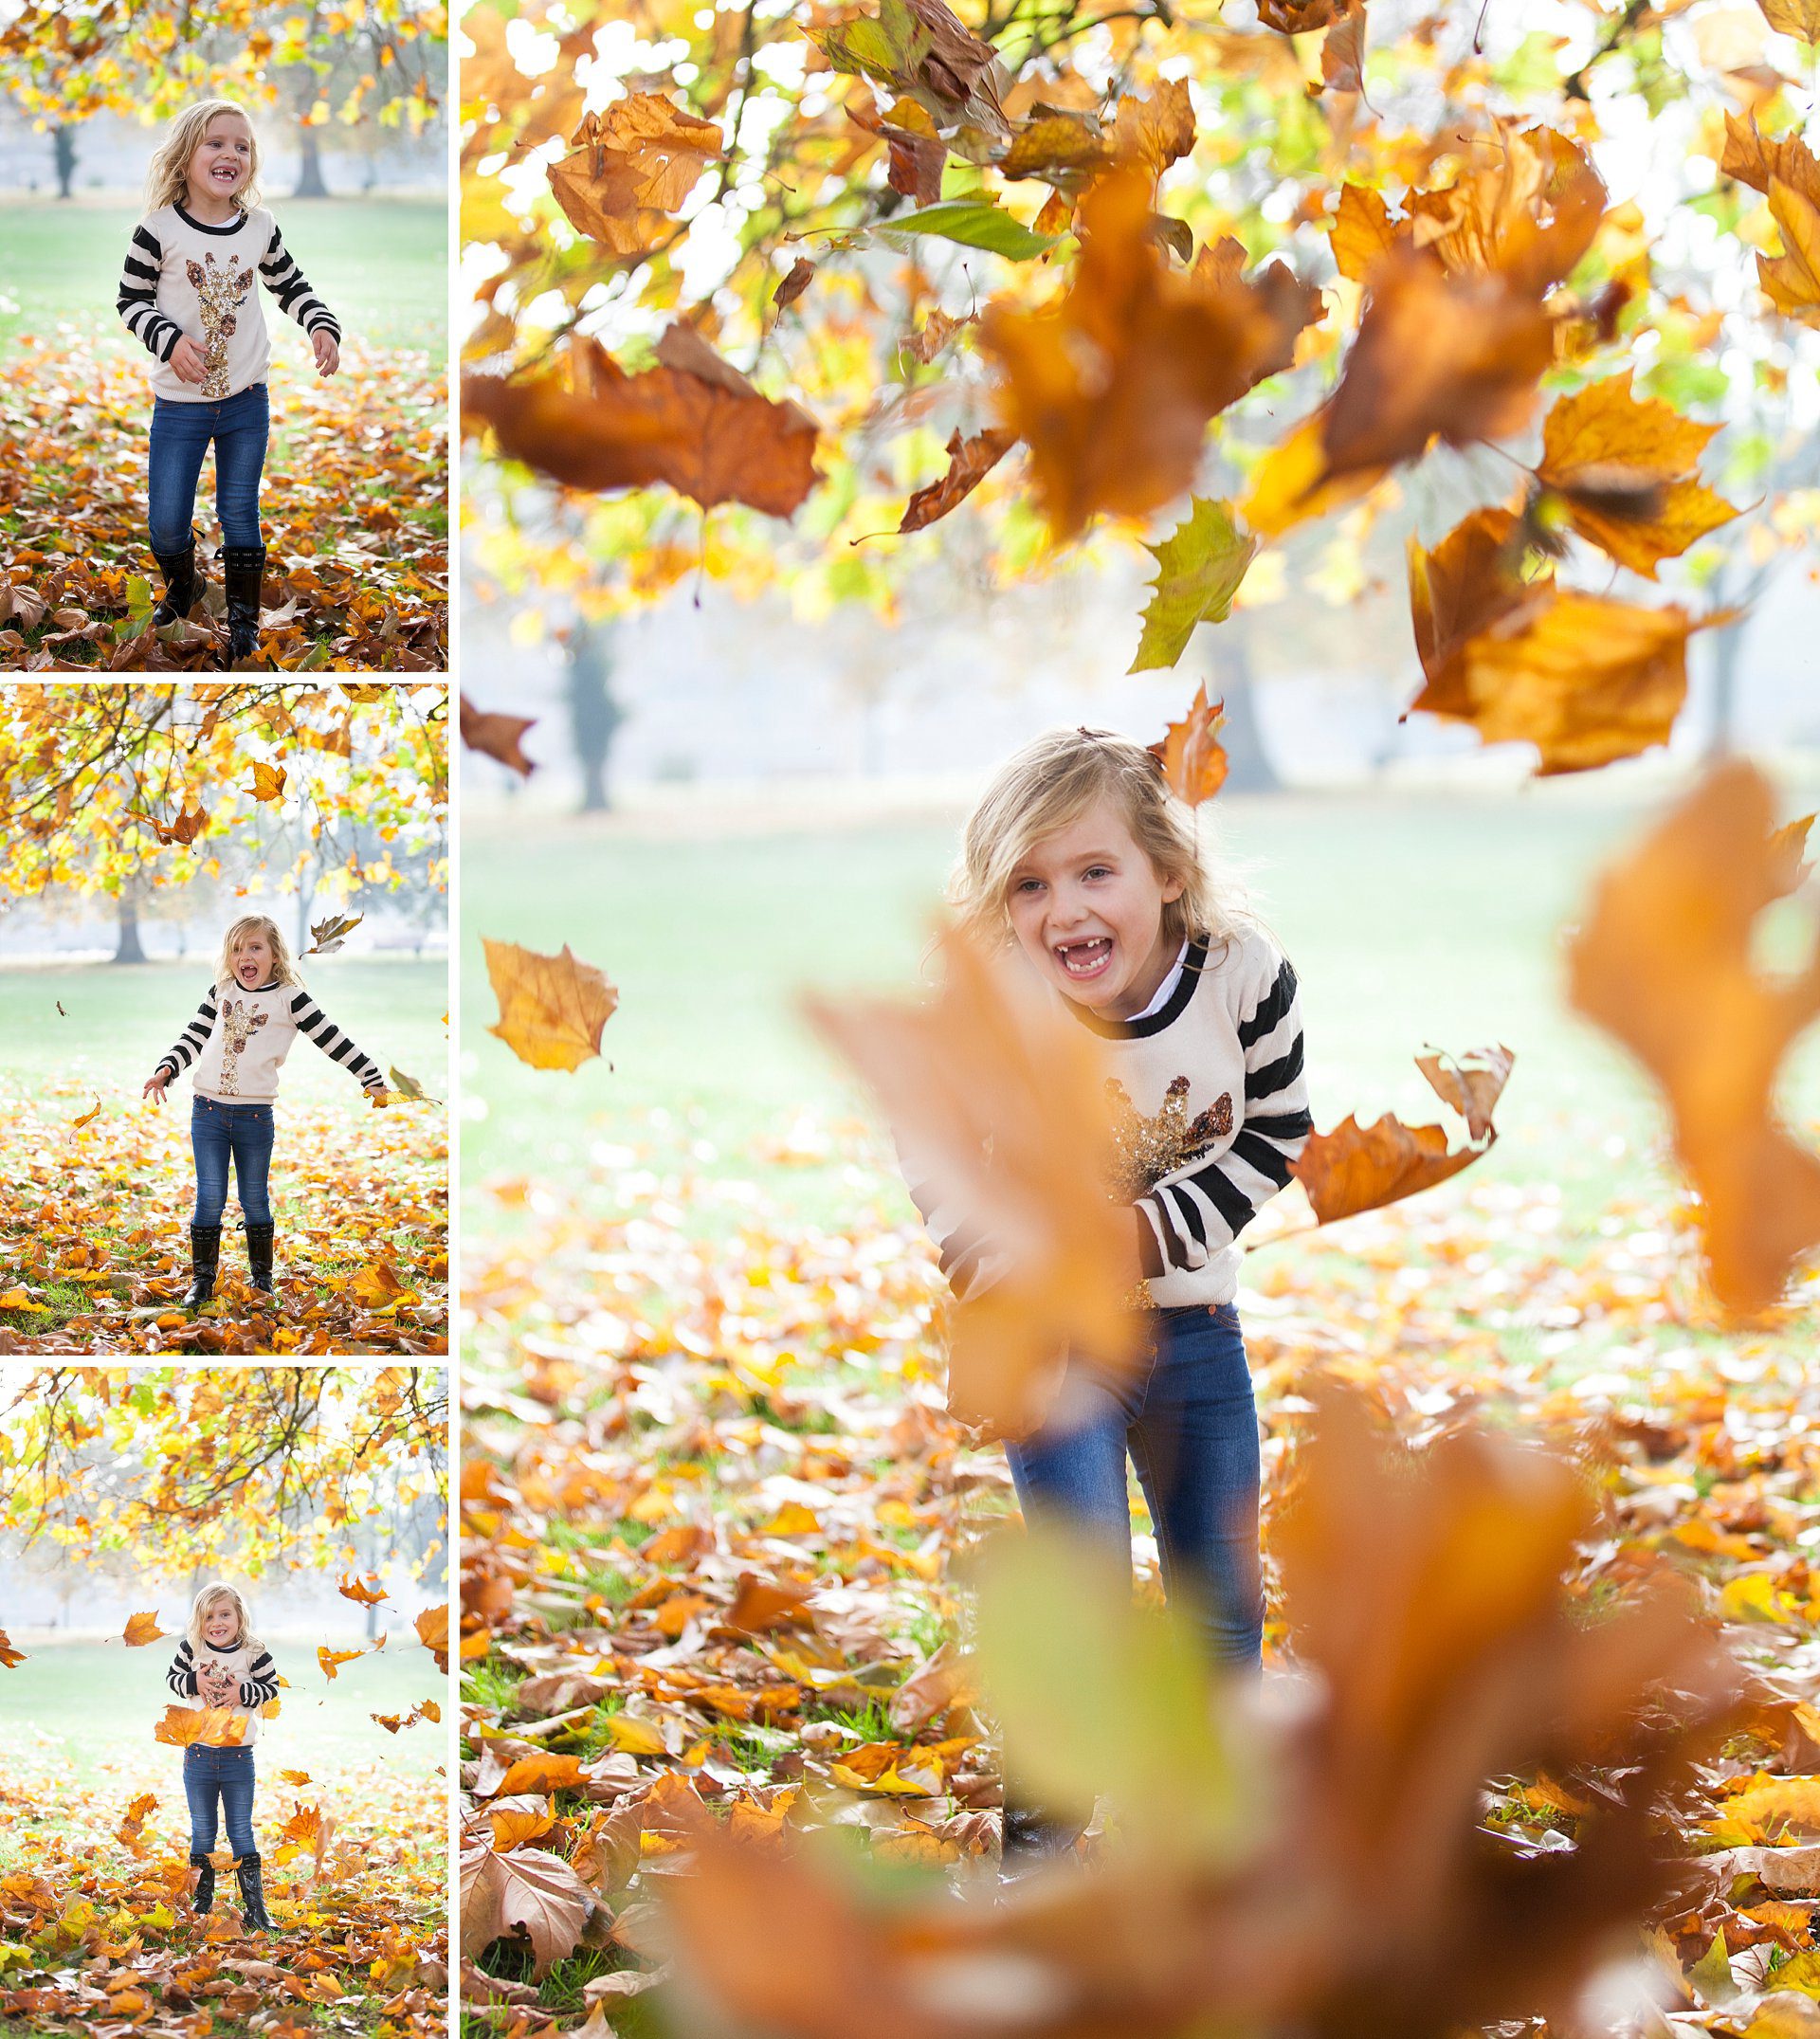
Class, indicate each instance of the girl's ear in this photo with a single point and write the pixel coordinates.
(1173, 889)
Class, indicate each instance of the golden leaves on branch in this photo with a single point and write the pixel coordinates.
(997, 1100)
(1113, 386)
(1623, 468)
(551, 1008)
(1359, 1168)
(693, 423)
(1786, 172)
(1663, 962)
(629, 167)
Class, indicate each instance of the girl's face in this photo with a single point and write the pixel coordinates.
(252, 960)
(223, 157)
(1086, 905)
(221, 1625)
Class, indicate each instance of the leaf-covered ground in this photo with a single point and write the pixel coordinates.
(97, 1934)
(354, 506)
(95, 1246)
(717, 1523)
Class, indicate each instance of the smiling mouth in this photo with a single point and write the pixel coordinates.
(225, 176)
(1085, 959)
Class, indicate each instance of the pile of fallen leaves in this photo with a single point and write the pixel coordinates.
(718, 1532)
(95, 1233)
(98, 1930)
(354, 507)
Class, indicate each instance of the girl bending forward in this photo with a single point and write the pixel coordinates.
(188, 293)
(220, 1663)
(246, 1023)
(1080, 859)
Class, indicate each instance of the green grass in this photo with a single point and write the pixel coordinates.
(117, 1019)
(81, 1700)
(1411, 919)
(381, 264)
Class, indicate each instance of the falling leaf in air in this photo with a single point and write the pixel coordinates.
(1623, 468)
(497, 736)
(432, 1631)
(331, 1659)
(9, 1655)
(1199, 567)
(214, 1727)
(141, 1629)
(969, 460)
(551, 1008)
(77, 1124)
(268, 782)
(367, 1592)
(328, 936)
(1664, 961)
(1194, 761)
(998, 1104)
(692, 422)
(1112, 387)
(630, 165)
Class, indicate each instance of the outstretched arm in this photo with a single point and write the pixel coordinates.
(312, 1020)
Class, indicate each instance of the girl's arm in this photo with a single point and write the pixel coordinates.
(288, 285)
(193, 1038)
(312, 1020)
(181, 1677)
(138, 303)
(260, 1682)
(966, 1248)
(1192, 1214)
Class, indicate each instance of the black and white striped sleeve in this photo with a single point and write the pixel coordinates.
(289, 285)
(312, 1020)
(192, 1039)
(260, 1682)
(181, 1677)
(971, 1257)
(138, 303)
(1203, 1208)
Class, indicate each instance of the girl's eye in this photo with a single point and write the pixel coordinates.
(1097, 870)
(1026, 884)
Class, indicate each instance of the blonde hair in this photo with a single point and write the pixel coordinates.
(167, 177)
(219, 1589)
(1047, 786)
(256, 923)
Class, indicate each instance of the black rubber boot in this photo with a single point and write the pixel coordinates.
(1030, 1837)
(182, 583)
(204, 1261)
(243, 568)
(252, 1897)
(205, 1895)
(259, 1256)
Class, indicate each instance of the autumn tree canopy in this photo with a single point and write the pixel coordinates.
(129, 787)
(262, 1468)
(849, 295)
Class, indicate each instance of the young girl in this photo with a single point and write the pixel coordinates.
(245, 1027)
(221, 1662)
(187, 294)
(1080, 858)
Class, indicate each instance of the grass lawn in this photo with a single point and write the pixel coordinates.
(81, 1703)
(381, 264)
(1411, 919)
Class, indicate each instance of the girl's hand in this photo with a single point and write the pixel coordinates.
(154, 1088)
(381, 1098)
(188, 359)
(328, 355)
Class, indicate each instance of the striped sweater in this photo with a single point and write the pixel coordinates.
(252, 1664)
(239, 1040)
(1210, 1106)
(183, 275)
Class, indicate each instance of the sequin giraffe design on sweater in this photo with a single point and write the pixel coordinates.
(237, 1024)
(219, 290)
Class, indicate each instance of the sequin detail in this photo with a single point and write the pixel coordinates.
(1146, 1149)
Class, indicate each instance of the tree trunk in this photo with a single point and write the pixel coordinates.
(309, 175)
(128, 950)
(1250, 769)
(64, 142)
(595, 716)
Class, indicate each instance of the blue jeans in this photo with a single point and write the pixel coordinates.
(1186, 1417)
(180, 436)
(244, 1132)
(226, 1773)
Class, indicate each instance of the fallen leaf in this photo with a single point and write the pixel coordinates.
(551, 1008)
